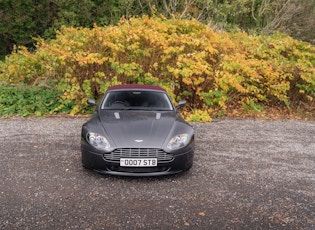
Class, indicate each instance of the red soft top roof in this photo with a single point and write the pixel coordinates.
(136, 86)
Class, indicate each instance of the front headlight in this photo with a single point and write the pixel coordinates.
(178, 141)
(97, 141)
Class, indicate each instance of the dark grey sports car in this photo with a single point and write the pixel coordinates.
(137, 131)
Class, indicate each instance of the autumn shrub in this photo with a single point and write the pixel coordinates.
(212, 71)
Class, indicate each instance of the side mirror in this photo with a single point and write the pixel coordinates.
(181, 104)
(91, 102)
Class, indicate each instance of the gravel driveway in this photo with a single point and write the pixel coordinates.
(247, 174)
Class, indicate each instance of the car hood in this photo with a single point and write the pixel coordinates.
(138, 129)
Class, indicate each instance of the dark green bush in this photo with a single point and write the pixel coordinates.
(25, 100)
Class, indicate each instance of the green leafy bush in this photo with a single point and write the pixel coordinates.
(25, 100)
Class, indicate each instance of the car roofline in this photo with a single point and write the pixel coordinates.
(136, 87)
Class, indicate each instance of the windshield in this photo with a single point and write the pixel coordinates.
(133, 99)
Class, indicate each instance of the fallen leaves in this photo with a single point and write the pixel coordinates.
(201, 213)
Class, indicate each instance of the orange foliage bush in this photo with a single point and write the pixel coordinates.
(212, 71)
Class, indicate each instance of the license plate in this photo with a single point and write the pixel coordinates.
(136, 162)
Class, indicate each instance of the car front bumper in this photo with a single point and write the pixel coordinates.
(182, 160)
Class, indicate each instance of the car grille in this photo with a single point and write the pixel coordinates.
(162, 157)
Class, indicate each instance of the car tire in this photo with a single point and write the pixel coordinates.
(188, 165)
(87, 165)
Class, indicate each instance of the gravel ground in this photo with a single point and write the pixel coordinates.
(247, 174)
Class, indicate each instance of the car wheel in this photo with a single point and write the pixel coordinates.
(87, 164)
(189, 164)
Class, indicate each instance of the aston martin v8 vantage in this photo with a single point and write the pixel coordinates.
(137, 131)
